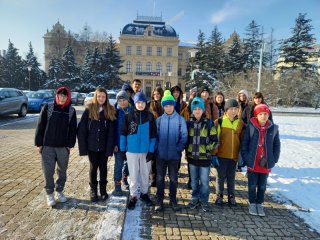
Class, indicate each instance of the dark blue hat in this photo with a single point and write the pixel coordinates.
(139, 97)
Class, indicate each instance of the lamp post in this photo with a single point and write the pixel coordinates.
(29, 70)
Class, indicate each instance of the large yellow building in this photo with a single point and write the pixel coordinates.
(151, 51)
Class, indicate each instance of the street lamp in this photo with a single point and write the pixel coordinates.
(29, 70)
(168, 84)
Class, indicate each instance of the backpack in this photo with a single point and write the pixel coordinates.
(50, 111)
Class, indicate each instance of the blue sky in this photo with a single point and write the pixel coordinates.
(23, 21)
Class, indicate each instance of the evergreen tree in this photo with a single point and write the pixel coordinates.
(201, 56)
(252, 45)
(215, 51)
(69, 66)
(294, 51)
(234, 59)
(54, 73)
(13, 68)
(113, 63)
(3, 81)
(37, 76)
(272, 52)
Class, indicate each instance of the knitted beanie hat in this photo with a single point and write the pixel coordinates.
(167, 99)
(231, 103)
(245, 92)
(122, 95)
(197, 102)
(261, 108)
(139, 97)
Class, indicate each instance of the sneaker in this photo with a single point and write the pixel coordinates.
(206, 207)
(104, 197)
(253, 209)
(193, 204)
(124, 184)
(219, 200)
(132, 203)
(60, 197)
(232, 201)
(50, 200)
(175, 206)
(260, 210)
(159, 206)
(145, 198)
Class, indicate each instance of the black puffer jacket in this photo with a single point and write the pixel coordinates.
(58, 131)
(96, 135)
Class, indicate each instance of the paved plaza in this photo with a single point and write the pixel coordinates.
(24, 215)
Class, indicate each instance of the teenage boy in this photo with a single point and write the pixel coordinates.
(172, 137)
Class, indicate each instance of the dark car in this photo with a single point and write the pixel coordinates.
(77, 98)
(13, 101)
(38, 99)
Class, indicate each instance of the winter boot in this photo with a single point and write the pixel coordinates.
(94, 193)
(124, 184)
(132, 203)
(117, 189)
(103, 191)
(219, 200)
(232, 200)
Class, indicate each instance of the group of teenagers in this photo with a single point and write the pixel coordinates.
(147, 140)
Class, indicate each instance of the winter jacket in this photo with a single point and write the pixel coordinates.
(172, 136)
(249, 146)
(59, 130)
(139, 132)
(120, 120)
(199, 154)
(96, 135)
(230, 134)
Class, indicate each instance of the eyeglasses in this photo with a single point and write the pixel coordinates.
(62, 95)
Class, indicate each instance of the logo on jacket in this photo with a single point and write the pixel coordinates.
(133, 127)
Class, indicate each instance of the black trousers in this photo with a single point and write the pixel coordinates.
(98, 160)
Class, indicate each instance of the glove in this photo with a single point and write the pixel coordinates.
(215, 162)
(123, 155)
(149, 156)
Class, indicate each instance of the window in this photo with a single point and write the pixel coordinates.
(179, 72)
(129, 68)
(139, 67)
(128, 50)
(179, 56)
(149, 51)
(159, 67)
(139, 50)
(159, 51)
(169, 52)
(188, 55)
(149, 67)
(169, 67)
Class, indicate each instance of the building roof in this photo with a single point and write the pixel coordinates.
(159, 27)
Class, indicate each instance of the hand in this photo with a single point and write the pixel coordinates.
(40, 149)
(149, 156)
(116, 149)
(123, 155)
(215, 162)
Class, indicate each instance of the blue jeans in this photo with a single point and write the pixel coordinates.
(120, 167)
(200, 183)
(257, 185)
(173, 168)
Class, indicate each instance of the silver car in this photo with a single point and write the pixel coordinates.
(13, 101)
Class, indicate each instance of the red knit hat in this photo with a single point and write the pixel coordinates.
(261, 108)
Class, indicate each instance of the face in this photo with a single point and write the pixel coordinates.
(232, 112)
(156, 96)
(101, 98)
(197, 112)
(219, 99)
(62, 98)
(257, 101)
(176, 94)
(140, 105)
(242, 97)
(169, 109)
(204, 95)
(136, 86)
(262, 118)
(123, 103)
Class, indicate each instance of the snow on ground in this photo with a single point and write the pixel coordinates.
(295, 180)
(295, 109)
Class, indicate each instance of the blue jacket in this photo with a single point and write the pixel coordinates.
(139, 132)
(249, 146)
(120, 120)
(172, 136)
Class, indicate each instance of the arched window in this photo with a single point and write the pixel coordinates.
(159, 67)
(139, 67)
(149, 67)
(129, 67)
(169, 67)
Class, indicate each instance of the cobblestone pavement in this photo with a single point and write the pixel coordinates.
(24, 215)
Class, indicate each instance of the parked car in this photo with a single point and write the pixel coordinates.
(38, 99)
(77, 98)
(112, 97)
(13, 101)
(52, 91)
(88, 98)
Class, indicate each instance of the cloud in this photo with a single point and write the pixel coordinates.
(228, 11)
(176, 17)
